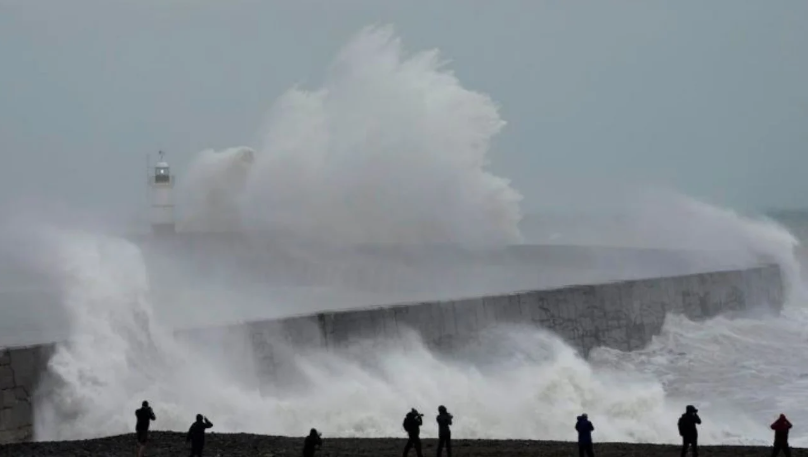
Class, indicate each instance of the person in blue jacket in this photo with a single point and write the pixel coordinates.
(584, 428)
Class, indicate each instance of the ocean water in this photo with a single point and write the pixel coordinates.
(393, 148)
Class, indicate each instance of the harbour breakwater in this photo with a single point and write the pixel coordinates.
(192, 271)
(622, 315)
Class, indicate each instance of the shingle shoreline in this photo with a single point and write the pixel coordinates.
(173, 444)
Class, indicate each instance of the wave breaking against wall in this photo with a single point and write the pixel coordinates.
(624, 316)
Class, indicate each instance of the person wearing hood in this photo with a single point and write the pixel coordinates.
(781, 427)
(444, 419)
(689, 431)
(584, 428)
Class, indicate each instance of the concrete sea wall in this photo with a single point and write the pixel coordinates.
(20, 371)
(623, 315)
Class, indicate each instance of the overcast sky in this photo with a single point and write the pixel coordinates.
(710, 98)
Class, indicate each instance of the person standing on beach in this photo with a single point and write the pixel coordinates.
(689, 431)
(196, 434)
(584, 428)
(781, 427)
(412, 424)
(444, 432)
(312, 443)
(144, 415)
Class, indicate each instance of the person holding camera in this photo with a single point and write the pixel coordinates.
(584, 428)
(144, 415)
(312, 443)
(196, 434)
(688, 429)
(781, 427)
(444, 419)
(412, 424)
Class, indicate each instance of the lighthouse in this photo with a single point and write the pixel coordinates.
(161, 183)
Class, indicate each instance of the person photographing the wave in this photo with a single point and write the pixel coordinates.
(584, 428)
(689, 431)
(412, 424)
(144, 415)
(196, 434)
(312, 443)
(781, 427)
(444, 420)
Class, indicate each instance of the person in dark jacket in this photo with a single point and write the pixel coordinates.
(689, 431)
(196, 434)
(412, 424)
(584, 428)
(144, 415)
(781, 427)
(312, 443)
(444, 419)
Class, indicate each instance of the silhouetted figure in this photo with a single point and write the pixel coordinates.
(584, 428)
(444, 419)
(689, 431)
(144, 415)
(781, 427)
(196, 434)
(312, 443)
(412, 424)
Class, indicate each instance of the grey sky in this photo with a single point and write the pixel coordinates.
(707, 97)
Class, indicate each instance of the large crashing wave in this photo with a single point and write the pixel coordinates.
(391, 149)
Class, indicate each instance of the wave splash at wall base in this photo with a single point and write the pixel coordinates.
(514, 382)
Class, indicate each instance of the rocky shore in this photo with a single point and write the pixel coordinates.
(173, 444)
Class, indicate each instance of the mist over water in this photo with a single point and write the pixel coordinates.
(210, 190)
(665, 219)
(393, 149)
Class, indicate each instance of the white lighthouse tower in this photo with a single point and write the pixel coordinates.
(161, 183)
